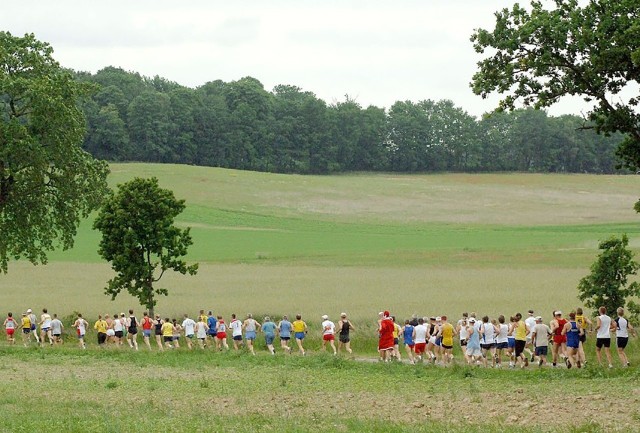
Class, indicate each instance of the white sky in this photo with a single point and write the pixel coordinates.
(377, 52)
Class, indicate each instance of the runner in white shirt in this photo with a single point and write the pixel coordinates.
(81, 328)
(189, 326)
(420, 336)
(623, 328)
(488, 333)
(603, 337)
(201, 330)
(236, 332)
(529, 347)
(328, 333)
(45, 327)
(502, 340)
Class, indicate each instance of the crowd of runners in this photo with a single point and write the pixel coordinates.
(489, 342)
(483, 341)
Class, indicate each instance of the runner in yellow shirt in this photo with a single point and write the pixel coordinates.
(101, 327)
(447, 331)
(167, 332)
(299, 331)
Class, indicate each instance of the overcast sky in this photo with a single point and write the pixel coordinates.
(377, 52)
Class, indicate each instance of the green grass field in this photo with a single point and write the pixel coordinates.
(283, 244)
(431, 244)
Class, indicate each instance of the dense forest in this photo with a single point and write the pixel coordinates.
(241, 125)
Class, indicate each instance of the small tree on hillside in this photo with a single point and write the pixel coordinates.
(608, 285)
(140, 239)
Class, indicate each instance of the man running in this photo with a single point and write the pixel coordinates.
(269, 331)
(603, 336)
(540, 340)
(189, 326)
(559, 340)
(385, 332)
(101, 327)
(420, 337)
(45, 327)
(623, 329)
(284, 331)
(10, 326)
(407, 337)
(299, 331)
(572, 332)
(81, 328)
(56, 329)
(447, 333)
(344, 328)
(236, 331)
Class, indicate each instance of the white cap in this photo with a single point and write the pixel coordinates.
(325, 317)
(29, 310)
(558, 313)
(472, 320)
(438, 319)
(539, 319)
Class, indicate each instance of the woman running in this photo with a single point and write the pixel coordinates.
(586, 326)
(157, 330)
(147, 324)
(623, 329)
(407, 337)
(502, 340)
(250, 326)
(385, 331)
(344, 328)
(10, 326)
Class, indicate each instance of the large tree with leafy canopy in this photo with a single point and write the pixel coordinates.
(140, 239)
(47, 182)
(541, 53)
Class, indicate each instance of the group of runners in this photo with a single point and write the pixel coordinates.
(483, 341)
(205, 330)
(489, 342)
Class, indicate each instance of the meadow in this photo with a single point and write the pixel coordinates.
(286, 244)
(426, 244)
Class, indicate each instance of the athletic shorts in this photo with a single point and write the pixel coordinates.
(80, 336)
(559, 339)
(411, 345)
(250, 335)
(45, 329)
(501, 346)
(520, 347)
(488, 346)
(237, 337)
(541, 350)
(146, 332)
(268, 338)
(133, 331)
(603, 342)
(299, 335)
(420, 348)
(285, 338)
(158, 333)
(119, 334)
(344, 339)
(168, 339)
(102, 337)
(175, 338)
(110, 333)
(511, 343)
(26, 330)
(57, 335)
(10, 331)
(438, 341)
(621, 342)
(463, 342)
(222, 335)
(190, 336)
(473, 351)
(328, 337)
(33, 327)
(583, 337)
(447, 347)
(432, 340)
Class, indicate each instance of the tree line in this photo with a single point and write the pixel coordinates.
(241, 125)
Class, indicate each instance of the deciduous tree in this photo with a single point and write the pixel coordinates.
(47, 182)
(140, 239)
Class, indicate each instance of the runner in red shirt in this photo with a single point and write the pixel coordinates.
(385, 331)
